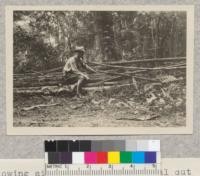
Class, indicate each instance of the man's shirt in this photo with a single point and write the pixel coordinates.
(75, 66)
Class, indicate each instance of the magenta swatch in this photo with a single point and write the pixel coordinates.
(90, 157)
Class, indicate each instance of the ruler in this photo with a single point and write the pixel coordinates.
(103, 170)
(102, 158)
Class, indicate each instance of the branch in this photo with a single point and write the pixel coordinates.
(139, 68)
(39, 106)
(151, 60)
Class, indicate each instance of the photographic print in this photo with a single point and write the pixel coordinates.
(99, 69)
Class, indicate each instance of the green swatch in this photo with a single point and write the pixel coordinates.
(125, 157)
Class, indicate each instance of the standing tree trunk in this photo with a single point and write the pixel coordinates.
(104, 39)
(65, 37)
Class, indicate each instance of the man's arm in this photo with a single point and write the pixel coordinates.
(87, 67)
(90, 68)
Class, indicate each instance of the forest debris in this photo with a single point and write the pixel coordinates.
(66, 88)
(76, 106)
(179, 102)
(96, 102)
(111, 101)
(127, 104)
(176, 59)
(143, 68)
(167, 78)
(148, 117)
(168, 107)
(122, 104)
(151, 99)
(45, 90)
(146, 79)
(51, 90)
(114, 73)
(161, 101)
(131, 103)
(106, 81)
(135, 83)
(39, 106)
(150, 86)
(102, 107)
(107, 87)
(120, 73)
(166, 94)
(141, 118)
(132, 99)
(149, 60)
(53, 70)
(173, 89)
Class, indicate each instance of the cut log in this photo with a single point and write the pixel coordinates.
(39, 106)
(140, 68)
(56, 80)
(149, 60)
(55, 90)
(108, 73)
(141, 118)
(59, 69)
(54, 69)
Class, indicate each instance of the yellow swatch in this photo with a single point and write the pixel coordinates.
(113, 157)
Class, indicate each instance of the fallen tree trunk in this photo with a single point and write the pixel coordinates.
(69, 87)
(54, 80)
(59, 69)
(55, 90)
(139, 68)
(39, 106)
(24, 82)
(107, 73)
(149, 60)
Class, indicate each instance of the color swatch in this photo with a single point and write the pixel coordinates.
(126, 157)
(101, 152)
(102, 157)
(101, 145)
(113, 157)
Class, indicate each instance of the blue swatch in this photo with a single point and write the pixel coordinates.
(138, 157)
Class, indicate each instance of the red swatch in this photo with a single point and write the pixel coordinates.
(102, 157)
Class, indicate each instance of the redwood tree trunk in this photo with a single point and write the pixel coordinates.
(105, 41)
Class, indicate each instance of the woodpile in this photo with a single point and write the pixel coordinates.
(108, 75)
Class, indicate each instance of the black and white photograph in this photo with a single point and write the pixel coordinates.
(122, 69)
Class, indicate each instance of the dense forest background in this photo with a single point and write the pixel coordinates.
(45, 39)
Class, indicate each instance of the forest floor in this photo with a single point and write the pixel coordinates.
(116, 108)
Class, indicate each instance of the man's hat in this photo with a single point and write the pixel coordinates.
(79, 48)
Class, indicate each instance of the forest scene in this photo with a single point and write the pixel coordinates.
(139, 58)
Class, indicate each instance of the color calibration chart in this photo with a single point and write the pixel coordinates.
(102, 157)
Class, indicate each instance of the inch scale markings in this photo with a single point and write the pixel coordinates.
(102, 158)
(103, 170)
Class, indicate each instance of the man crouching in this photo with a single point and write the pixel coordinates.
(75, 70)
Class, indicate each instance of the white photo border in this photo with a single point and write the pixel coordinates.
(188, 129)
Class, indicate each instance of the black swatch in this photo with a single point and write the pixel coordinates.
(62, 146)
(50, 146)
(73, 146)
(85, 146)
